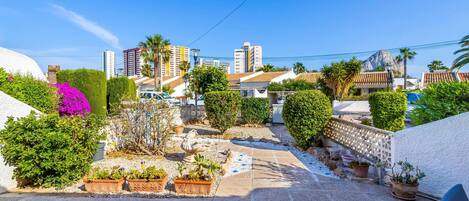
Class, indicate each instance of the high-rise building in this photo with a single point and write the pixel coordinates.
(132, 62)
(178, 55)
(216, 63)
(247, 58)
(109, 63)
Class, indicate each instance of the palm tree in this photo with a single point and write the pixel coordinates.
(462, 59)
(406, 55)
(184, 67)
(436, 65)
(156, 49)
(146, 70)
(267, 68)
(298, 68)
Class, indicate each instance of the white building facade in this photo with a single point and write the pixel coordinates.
(109, 63)
(248, 58)
(216, 63)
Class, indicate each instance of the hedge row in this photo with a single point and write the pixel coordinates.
(305, 114)
(222, 108)
(388, 110)
(36, 93)
(255, 110)
(119, 89)
(92, 83)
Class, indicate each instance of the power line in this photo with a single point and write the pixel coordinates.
(218, 23)
(346, 54)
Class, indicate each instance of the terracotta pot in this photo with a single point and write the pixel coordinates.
(193, 187)
(404, 191)
(144, 185)
(179, 130)
(103, 186)
(361, 170)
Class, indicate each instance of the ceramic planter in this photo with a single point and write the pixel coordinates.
(178, 130)
(404, 191)
(103, 186)
(147, 185)
(193, 187)
(361, 170)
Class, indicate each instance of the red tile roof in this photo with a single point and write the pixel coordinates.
(309, 77)
(436, 77)
(464, 76)
(266, 77)
(377, 79)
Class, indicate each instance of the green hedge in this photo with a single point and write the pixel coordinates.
(305, 114)
(439, 101)
(36, 93)
(388, 110)
(255, 110)
(222, 108)
(49, 150)
(119, 89)
(292, 85)
(92, 83)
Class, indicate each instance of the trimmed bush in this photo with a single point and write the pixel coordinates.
(49, 150)
(222, 108)
(388, 110)
(91, 82)
(119, 89)
(36, 93)
(72, 101)
(292, 85)
(439, 101)
(305, 114)
(255, 110)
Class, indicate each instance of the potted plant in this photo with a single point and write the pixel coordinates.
(199, 179)
(104, 180)
(148, 179)
(405, 183)
(179, 128)
(360, 168)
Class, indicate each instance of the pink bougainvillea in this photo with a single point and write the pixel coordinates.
(72, 102)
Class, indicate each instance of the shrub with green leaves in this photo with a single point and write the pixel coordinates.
(305, 114)
(222, 108)
(255, 110)
(36, 93)
(439, 101)
(292, 85)
(92, 83)
(388, 110)
(49, 150)
(119, 89)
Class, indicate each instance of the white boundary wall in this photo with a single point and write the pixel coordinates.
(9, 106)
(440, 149)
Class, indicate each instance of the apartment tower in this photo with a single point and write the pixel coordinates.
(132, 62)
(109, 63)
(247, 58)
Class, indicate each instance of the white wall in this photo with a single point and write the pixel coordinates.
(440, 149)
(10, 107)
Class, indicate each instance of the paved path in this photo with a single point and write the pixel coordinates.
(276, 174)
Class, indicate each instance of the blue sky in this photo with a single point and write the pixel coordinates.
(73, 34)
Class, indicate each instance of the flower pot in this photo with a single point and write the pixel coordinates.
(147, 185)
(179, 130)
(404, 191)
(103, 186)
(193, 187)
(361, 170)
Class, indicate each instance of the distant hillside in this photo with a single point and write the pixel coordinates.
(382, 59)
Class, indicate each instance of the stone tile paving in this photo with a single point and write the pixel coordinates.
(277, 174)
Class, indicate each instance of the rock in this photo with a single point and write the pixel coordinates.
(382, 58)
(206, 122)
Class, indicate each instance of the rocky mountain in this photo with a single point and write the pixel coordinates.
(383, 59)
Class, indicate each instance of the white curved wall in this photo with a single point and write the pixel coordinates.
(440, 149)
(15, 62)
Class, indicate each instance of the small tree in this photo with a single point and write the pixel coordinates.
(338, 77)
(255, 110)
(207, 79)
(298, 68)
(222, 108)
(305, 114)
(388, 110)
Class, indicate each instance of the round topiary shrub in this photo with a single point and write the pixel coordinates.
(255, 110)
(388, 110)
(305, 114)
(72, 101)
(49, 150)
(222, 108)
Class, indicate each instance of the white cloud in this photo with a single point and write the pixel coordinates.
(88, 26)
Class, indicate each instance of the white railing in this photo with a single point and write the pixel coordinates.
(373, 143)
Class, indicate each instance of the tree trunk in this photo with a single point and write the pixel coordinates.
(405, 72)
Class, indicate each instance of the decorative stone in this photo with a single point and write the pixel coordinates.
(191, 147)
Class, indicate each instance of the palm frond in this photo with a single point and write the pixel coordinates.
(466, 49)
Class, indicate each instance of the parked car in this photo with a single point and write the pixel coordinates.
(200, 101)
(159, 96)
